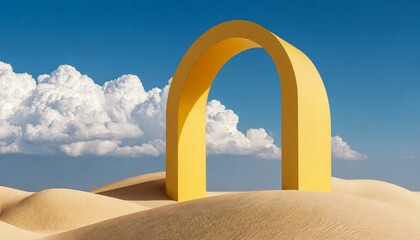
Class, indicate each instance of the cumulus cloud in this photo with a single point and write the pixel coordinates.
(341, 150)
(15, 89)
(224, 137)
(67, 112)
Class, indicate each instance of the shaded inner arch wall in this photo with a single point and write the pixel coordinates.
(306, 125)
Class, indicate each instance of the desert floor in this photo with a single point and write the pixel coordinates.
(138, 208)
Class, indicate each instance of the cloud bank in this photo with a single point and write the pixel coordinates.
(67, 112)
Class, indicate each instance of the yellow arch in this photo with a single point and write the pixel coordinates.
(306, 126)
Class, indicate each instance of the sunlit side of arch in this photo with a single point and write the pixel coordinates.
(306, 126)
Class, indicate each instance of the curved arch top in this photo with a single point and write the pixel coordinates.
(306, 126)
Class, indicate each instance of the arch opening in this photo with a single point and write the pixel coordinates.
(306, 149)
(248, 86)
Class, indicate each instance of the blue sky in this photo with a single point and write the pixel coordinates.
(367, 53)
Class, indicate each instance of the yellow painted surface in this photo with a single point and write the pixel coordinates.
(306, 125)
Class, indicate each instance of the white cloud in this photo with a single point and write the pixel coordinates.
(341, 150)
(9, 147)
(68, 112)
(15, 90)
(108, 147)
(96, 147)
(223, 136)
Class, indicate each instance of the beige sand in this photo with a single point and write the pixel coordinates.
(63, 209)
(357, 209)
(383, 192)
(149, 190)
(146, 190)
(9, 197)
(9, 232)
(260, 215)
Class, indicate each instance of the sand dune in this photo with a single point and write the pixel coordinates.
(146, 190)
(10, 197)
(63, 209)
(130, 181)
(149, 190)
(8, 232)
(383, 192)
(260, 215)
(138, 208)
